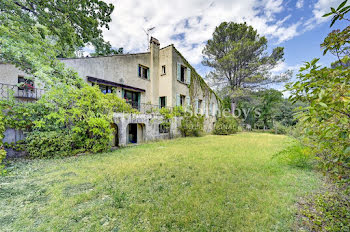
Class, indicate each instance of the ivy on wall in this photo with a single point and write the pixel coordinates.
(197, 80)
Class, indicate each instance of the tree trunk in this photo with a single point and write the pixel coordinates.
(233, 106)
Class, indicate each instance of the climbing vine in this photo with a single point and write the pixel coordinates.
(2, 150)
(196, 79)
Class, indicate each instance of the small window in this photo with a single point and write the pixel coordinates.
(163, 128)
(25, 83)
(162, 102)
(106, 89)
(200, 106)
(182, 100)
(143, 72)
(163, 70)
(183, 71)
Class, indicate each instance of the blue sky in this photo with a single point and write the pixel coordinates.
(296, 25)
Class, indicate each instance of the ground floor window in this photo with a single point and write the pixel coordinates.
(132, 98)
(162, 102)
(163, 128)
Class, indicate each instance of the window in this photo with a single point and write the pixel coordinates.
(25, 83)
(163, 129)
(132, 98)
(163, 70)
(182, 75)
(106, 89)
(162, 102)
(182, 100)
(200, 106)
(143, 72)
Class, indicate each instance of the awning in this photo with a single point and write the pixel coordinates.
(113, 84)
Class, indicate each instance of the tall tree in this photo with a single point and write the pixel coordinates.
(239, 58)
(35, 33)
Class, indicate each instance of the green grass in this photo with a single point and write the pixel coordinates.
(212, 183)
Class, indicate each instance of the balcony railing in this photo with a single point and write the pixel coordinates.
(146, 108)
(21, 94)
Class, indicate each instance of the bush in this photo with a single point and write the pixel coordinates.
(297, 156)
(192, 125)
(226, 126)
(66, 120)
(43, 144)
(280, 128)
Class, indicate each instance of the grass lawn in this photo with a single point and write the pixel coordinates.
(212, 183)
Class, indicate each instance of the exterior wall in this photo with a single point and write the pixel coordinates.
(147, 125)
(123, 69)
(165, 80)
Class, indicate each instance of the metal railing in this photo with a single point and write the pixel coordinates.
(20, 94)
(146, 108)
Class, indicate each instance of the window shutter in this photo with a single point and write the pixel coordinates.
(139, 70)
(177, 99)
(188, 80)
(147, 74)
(188, 100)
(160, 103)
(204, 108)
(178, 71)
(166, 101)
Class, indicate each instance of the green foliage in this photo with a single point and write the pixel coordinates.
(2, 151)
(280, 128)
(66, 120)
(326, 211)
(226, 126)
(297, 156)
(326, 120)
(192, 125)
(46, 144)
(35, 33)
(239, 58)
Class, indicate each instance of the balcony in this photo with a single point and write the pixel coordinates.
(23, 94)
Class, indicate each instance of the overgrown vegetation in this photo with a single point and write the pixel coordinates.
(325, 127)
(225, 125)
(192, 125)
(67, 120)
(2, 151)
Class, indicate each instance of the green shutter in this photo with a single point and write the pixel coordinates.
(148, 74)
(139, 100)
(178, 103)
(188, 80)
(178, 71)
(165, 101)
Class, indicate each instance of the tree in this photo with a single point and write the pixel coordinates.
(239, 59)
(326, 91)
(35, 33)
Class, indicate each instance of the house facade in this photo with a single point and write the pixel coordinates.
(159, 78)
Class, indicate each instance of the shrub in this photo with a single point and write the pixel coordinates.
(297, 156)
(226, 126)
(43, 144)
(192, 125)
(66, 120)
(280, 128)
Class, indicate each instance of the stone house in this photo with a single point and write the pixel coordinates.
(158, 78)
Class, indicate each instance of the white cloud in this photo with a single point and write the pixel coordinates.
(299, 4)
(189, 24)
(320, 8)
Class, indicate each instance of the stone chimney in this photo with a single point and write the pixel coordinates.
(154, 49)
